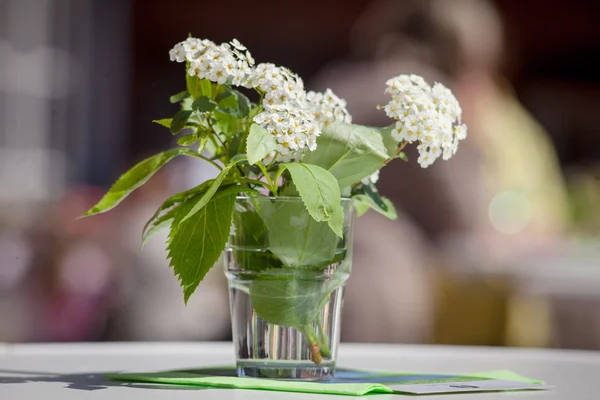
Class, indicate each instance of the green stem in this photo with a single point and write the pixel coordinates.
(278, 175)
(318, 348)
(216, 135)
(323, 340)
(196, 87)
(272, 185)
(398, 150)
(262, 96)
(253, 181)
(209, 160)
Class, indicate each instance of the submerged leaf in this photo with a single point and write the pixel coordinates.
(297, 239)
(287, 300)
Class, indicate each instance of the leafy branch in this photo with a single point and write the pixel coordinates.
(302, 235)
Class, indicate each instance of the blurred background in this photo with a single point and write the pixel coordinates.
(498, 246)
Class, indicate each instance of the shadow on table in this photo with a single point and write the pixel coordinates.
(86, 381)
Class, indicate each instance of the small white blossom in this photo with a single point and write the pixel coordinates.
(429, 115)
(327, 107)
(249, 58)
(236, 43)
(225, 63)
(294, 129)
(177, 53)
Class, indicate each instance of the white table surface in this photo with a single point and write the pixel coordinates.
(71, 371)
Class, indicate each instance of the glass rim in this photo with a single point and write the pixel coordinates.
(285, 198)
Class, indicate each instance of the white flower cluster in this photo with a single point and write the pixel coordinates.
(294, 129)
(278, 84)
(225, 63)
(293, 116)
(327, 107)
(429, 115)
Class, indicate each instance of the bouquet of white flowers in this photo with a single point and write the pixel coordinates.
(284, 143)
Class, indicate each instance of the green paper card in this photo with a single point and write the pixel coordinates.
(347, 382)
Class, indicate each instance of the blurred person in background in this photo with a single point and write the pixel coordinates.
(502, 197)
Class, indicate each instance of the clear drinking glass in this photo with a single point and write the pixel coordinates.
(286, 275)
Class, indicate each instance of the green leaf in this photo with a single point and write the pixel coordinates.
(228, 102)
(239, 158)
(225, 123)
(198, 87)
(320, 194)
(402, 155)
(373, 194)
(134, 178)
(157, 225)
(250, 227)
(196, 243)
(296, 238)
(363, 203)
(159, 219)
(243, 104)
(166, 122)
(223, 94)
(360, 204)
(251, 237)
(204, 104)
(349, 152)
(336, 222)
(204, 135)
(391, 144)
(234, 145)
(254, 110)
(180, 120)
(209, 145)
(237, 105)
(187, 140)
(288, 189)
(259, 144)
(287, 301)
(202, 145)
(202, 201)
(340, 276)
(176, 98)
(186, 104)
